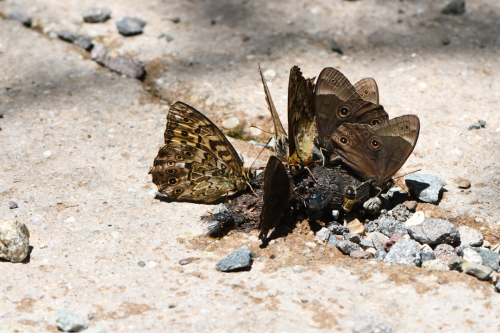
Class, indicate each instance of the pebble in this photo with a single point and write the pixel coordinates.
(486, 244)
(152, 264)
(415, 219)
(335, 214)
(47, 153)
(186, 261)
(82, 40)
(365, 244)
(337, 228)
(95, 329)
(391, 241)
(404, 252)
(445, 252)
(380, 255)
(470, 236)
(355, 238)
(116, 235)
(426, 187)
(14, 240)
(425, 256)
(435, 231)
(365, 323)
(99, 54)
(18, 15)
(387, 225)
(269, 74)
(141, 263)
(67, 321)
(455, 264)
(489, 258)
(480, 271)
(411, 204)
(70, 219)
(372, 205)
(482, 122)
(127, 65)
(361, 255)
(475, 125)
(130, 26)
(445, 41)
(37, 219)
(464, 183)
(237, 260)
(13, 205)
(254, 131)
(310, 244)
(323, 235)
(346, 246)
(436, 264)
(332, 241)
(472, 256)
(231, 123)
(371, 250)
(96, 14)
(356, 227)
(298, 269)
(335, 47)
(379, 240)
(454, 7)
(220, 209)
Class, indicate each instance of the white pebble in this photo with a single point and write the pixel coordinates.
(116, 235)
(152, 264)
(70, 219)
(270, 74)
(47, 153)
(254, 131)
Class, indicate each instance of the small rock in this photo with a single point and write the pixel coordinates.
(445, 252)
(18, 15)
(176, 19)
(391, 241)
(152, 264)
(371, 250)
(13, 205)
(472, 256)
(404, 252)
(310, 244)
(67, 321)
(186, 261)
(130, 26)
(455, 264)
(84, 41)
(361, 255)
(298, 269)
(365, 244)
(99, 54)
(70, 219)
(454, 7)
(482, 122)
(445, 41)
(127, 65)
(239, 259)
(355, 238)
(254, 131)
(411, 205)
(387, 225)
(486, 245)
(95, 329)
(47, 153)
(37, 219)
(14, 240)
(335, 47)
(269, 74)
(380, 255)
(337, 228)
(435, 231)
(379, 240)
(141, 263)
(464, 183)
(372, 205)
(425, 187)
(220, 209)
(425, 256)
(356, 227)
(489, 258)
(116, 235)
(169, 38)
(416, 219)
(475, 125)
(335, 214)
(480, 271)
(470, 236)
(322, 235)
(332, 241)
(436, 264)
(346, 247)
(97, 14)
(231, 123)
(364, 323)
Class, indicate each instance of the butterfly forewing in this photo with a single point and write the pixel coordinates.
(368, 90)
(277, 193)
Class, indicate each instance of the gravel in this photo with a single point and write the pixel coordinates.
(480, 271)
(346, 246)
(240, 259)
(404, 252)
(435, 231)
(445, 252)
(470, 236)
(130, 26)
(127, 65)
(97, 14)
(425, 187)
(489, 258)
(67, 321)
(14, 240)
(18, 15)
(387, 225)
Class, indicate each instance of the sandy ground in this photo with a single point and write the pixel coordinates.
(90, 205)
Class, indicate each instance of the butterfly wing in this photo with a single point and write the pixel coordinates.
(300, 118)
(368, 90)
(280, 135)
(277, 193)
(377, 152)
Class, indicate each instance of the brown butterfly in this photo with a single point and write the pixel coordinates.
(196, 162)
(280, 136)
(277, 193)
(336, 101)
(377, 152)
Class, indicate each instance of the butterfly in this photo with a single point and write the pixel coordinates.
(336, 102)
(277, 193)
(197, 162)
(377, 152)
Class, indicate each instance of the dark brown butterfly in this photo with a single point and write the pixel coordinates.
(377, 152)
(277, 193)
(336, 101)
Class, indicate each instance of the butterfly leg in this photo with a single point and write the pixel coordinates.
(251, 188)
(310, 172)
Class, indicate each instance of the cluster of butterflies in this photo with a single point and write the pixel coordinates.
(198, 163)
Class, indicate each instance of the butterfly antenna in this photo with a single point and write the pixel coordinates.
(408, 173)
(260, 153)
(251, 188)
(267, 132)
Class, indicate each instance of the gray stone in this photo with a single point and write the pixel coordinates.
(472, 256)
(361, 255)
(380, 255)
(395, 191)
(355, 238)
(346, 246)
(482, 122)
(372, 205)
(13, 205)
(95, 329)
(490, 258)
(332, 241)
(97, 14)
(84, 41)
(475, 125)
(322, 235)
(480, 271)
(365, 323)
(338, 229)
(141, 263)
(67, 321)
(445, 252)
(404, 252)
(387, 225)
(14, 240)
(379, 240)
(454, 7)
(127, 65)
(99, 54)
(239, 259)
(470, 236)
(425, 187)
(130, 26)
(436, 264)
(18, 15)
(434, 231)
(455, 264)
(335, 47)
(365, 244)
(425, 256)
(220, 209)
